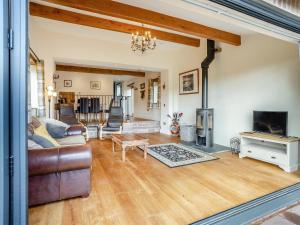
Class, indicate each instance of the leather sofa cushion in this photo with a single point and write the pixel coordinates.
(56, 160)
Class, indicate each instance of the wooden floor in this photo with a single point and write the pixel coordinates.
(148, 192)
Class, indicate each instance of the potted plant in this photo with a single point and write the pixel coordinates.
(175, 127)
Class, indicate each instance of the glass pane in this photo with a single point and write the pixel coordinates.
(119, 90)
(34, 86)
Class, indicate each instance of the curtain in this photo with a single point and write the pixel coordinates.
(41, 88)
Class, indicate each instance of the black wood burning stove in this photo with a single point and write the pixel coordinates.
(205, 127)
(205, 116)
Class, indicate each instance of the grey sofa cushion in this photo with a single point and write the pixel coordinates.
(54, 121)
(56, 131)
(33, 145)
(72, 140)
(44, 142)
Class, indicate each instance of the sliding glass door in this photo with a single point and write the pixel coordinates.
(18, 110)
(13, 112)
(4, 111)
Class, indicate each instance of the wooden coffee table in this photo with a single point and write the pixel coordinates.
(129, 140)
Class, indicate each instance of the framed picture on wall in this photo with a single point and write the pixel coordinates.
(189, 82)
(67, 83)
(95, 85)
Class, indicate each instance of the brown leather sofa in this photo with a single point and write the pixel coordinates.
(59, 173)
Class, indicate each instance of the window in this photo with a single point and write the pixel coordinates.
(33, 87)
(118, 89)
(119, 92)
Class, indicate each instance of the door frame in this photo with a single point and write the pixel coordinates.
(18, 111)
(264, 11)
(4, 114)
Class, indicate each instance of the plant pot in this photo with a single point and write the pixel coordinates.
(175, 128)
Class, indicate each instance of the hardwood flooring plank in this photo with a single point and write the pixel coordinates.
(148, 192)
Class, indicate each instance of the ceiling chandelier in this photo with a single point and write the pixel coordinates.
(142, 41)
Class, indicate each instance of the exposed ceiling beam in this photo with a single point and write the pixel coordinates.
(104, 71)
(91, 21)
(128, 12)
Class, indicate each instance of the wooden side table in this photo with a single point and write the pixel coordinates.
(129, 140)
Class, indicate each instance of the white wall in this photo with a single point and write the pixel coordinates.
(81, 83)
(56, 46)
(262, 74)
(140, 105)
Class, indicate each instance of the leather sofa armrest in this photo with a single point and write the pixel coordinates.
(75, 157)
(45, 161)
(42, 161)
(77, 129)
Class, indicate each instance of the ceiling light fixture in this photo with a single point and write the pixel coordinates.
(142, 41)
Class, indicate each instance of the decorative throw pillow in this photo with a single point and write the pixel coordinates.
(33, 145)
(35, 122)
(42, 141)
(42, 131)
(30, 129)
(55, 122)
(56, 131)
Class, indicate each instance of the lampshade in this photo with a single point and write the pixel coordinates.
(50, 88)
(50, 93)
(54, 94)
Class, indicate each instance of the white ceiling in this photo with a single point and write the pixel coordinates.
(90, 32)
(175, 8)
(181, 9)
(209, 14)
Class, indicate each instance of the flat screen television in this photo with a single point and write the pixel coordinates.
(270, 122)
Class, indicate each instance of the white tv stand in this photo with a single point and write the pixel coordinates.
(278, 150)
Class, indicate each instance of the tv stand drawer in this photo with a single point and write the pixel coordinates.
(265, 154)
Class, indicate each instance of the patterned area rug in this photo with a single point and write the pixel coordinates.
(174, 155)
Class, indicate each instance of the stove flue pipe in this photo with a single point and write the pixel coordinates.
(205, 65)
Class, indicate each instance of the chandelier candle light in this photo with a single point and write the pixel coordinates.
(142, 42)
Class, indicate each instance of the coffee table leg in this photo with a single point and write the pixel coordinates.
(123, 153)
(145, 151)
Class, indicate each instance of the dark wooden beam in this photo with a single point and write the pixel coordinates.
(128, 12)
(91, 21)
(104, 71)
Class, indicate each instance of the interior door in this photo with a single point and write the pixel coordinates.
(4, 111)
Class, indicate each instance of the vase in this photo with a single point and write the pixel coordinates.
(175, 128)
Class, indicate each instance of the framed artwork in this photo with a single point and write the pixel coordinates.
(189, 82)
(67, 83)
(142, 86)
(95, 85)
